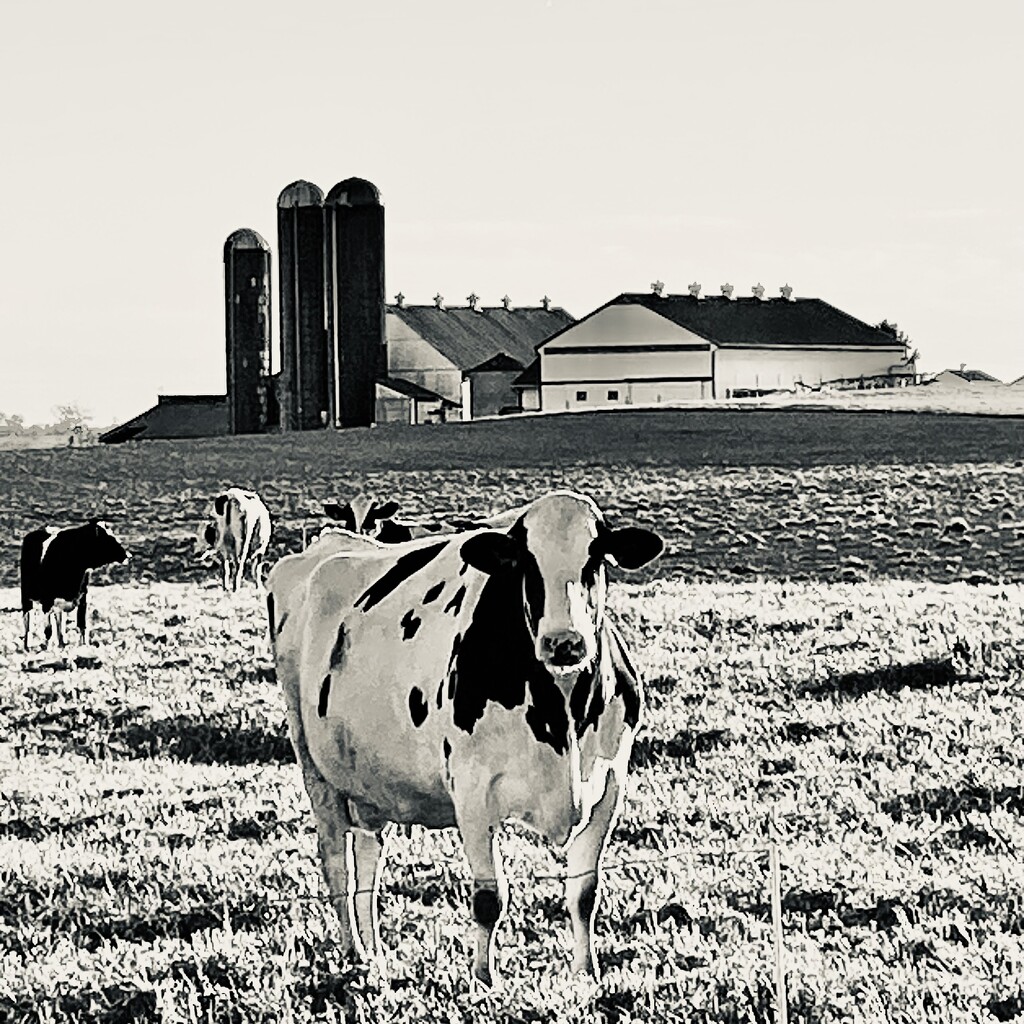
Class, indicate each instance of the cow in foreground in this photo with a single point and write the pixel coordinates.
(239, 533)
(463, 681)
(55, 566)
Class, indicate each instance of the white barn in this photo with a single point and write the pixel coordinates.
(647, 349)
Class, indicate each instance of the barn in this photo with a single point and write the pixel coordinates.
(469, 356)
(648, 349)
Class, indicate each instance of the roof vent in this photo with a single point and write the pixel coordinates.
(758, 291)
(399, 300)
(727, 290)
(787, 292)
(439, 300)
(546, 303)
(694, 289)
(657, 287)
(472, 298)
(506, 302)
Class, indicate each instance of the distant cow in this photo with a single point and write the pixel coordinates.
(55, 567)
(239, 533)
(461, 681)
(376, 519)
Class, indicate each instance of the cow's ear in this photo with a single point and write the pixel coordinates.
(342, 514)
(220, 503)
(630, 546)
(490, 552)
(385, 511)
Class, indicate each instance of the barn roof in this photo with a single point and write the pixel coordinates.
(410, 389)
(976, 376)
(501, 361)
(753, 322)
(175, 416)
(468, 337)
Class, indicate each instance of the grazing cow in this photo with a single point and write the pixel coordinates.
(461, 681)
(55, 568)
(239, 533)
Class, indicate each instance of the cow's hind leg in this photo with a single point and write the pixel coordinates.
(82, 617)
(582, 880)
(490, 891)
(367, 862)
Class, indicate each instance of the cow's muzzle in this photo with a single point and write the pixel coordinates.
(562, 648)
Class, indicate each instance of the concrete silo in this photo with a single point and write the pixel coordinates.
(354, 281)
(303, 391)
(247, 330)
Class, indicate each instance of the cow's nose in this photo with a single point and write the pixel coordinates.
(563, 647)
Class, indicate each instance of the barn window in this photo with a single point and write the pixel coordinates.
(581, 396)
(613, 396)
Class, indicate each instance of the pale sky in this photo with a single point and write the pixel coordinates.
(867, 153)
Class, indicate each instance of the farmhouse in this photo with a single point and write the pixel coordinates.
(648, 349)
(467, 357)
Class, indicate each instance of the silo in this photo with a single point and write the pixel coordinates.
(354, 276)
(247, 330)
(300, 239)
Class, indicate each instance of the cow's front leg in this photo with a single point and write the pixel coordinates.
(82, 617)
(367, 864)
(27, 622)
(226, 566)
(58, 626)
(490, 891)
(583, 879)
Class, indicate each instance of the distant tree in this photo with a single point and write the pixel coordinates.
(71, 415)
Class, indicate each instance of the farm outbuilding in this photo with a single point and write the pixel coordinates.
(964, 378)
(648, 349)
(175, 416)
(468, 355)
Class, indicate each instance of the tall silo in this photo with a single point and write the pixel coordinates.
(300, 239)
(247, 330)
(354, 276)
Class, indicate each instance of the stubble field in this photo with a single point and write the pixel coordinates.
(832, 642)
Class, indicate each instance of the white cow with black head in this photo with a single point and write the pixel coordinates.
(463, 681)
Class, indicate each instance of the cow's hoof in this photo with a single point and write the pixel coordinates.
(482, 975)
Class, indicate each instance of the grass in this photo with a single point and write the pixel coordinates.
(159, 858)
(835, 638)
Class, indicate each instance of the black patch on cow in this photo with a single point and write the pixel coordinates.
(440, 692)
(410, 623)
(463, 568)
(338, 650)
(587, 898)
(433, 593)
(220, 503)
(325, 693)
(417, 706)
(210, 534)
(486, 907)
(281, 622)
(393, 533)
(406, 566)
(495, 661)
(586, 702)
(447, 748)
(270, 616)
(455, 604)
(533, 582)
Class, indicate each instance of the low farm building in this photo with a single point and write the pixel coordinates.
(648, 349)
(468, 355)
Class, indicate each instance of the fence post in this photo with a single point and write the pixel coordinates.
(304, 536)
(781, 1001)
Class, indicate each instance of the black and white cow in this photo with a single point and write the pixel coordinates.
(376, 519)
(461, 681)
(239, 533)
(55, 567)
